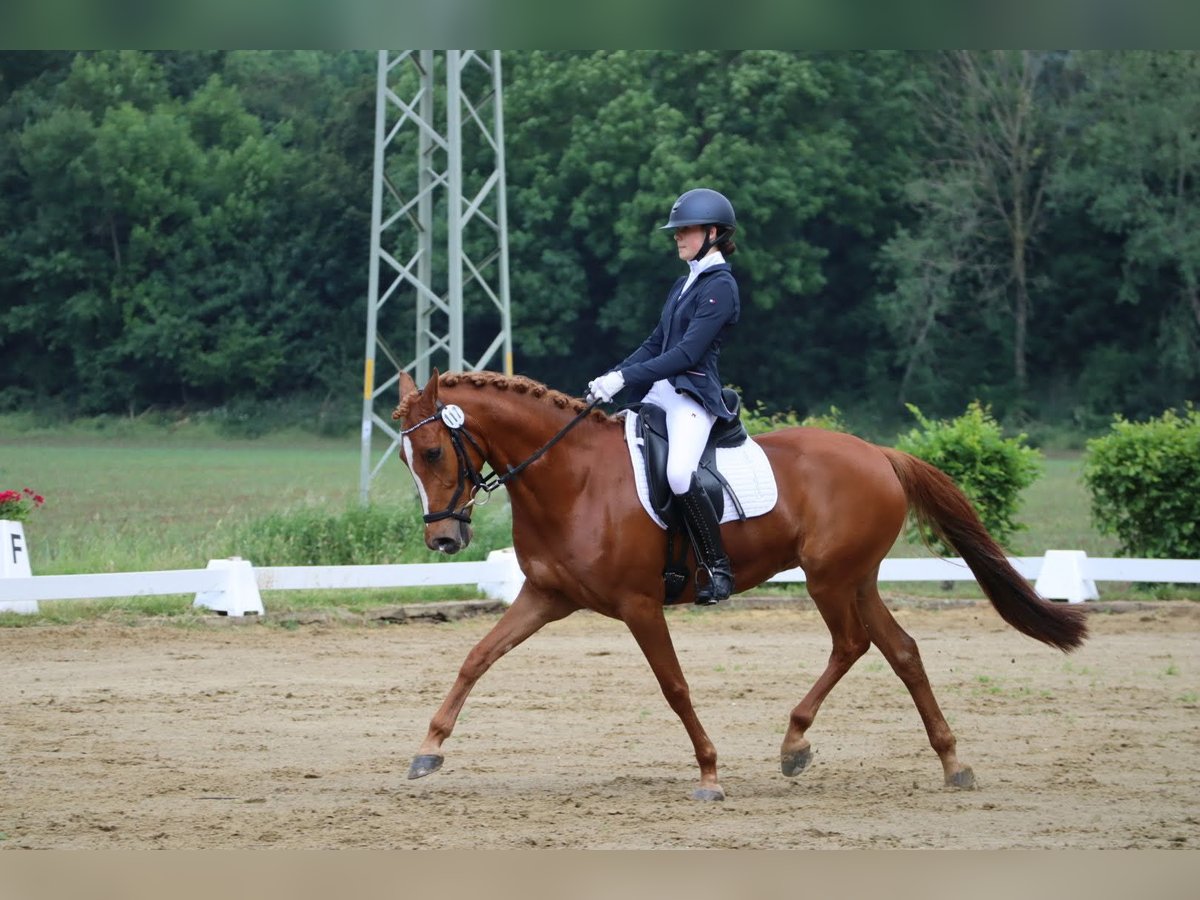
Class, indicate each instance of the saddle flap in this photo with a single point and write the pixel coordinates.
(651, 430)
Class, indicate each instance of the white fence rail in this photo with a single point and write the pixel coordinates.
(232, 586)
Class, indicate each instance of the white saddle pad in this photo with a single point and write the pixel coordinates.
(746, 468)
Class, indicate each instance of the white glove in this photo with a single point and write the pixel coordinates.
(606, 386)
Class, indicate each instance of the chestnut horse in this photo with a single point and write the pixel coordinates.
(584, 541)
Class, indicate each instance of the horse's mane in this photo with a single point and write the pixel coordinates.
(517, 384)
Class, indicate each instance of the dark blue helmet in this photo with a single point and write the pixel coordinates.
(701, 206)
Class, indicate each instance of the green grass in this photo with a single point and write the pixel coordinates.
(170, 499)
(126, 496)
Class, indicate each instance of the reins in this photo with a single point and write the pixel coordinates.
(455, 421)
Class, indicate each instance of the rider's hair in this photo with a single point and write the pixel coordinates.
(727, 245)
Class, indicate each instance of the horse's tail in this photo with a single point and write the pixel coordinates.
(941, 506)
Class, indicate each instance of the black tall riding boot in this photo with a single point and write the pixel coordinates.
(701, 521)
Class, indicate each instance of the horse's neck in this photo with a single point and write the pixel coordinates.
(517, 428)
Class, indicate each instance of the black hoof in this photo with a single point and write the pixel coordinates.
(424, 765)
(792, 764)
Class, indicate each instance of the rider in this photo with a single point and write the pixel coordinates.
(676, 367)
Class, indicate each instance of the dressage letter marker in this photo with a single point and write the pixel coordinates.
(14, 553)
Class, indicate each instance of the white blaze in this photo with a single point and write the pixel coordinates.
(408, 457)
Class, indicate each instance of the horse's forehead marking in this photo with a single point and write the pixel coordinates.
(408, 457)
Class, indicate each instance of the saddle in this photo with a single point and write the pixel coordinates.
(651, 429)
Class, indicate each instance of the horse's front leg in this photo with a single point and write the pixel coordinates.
(528, 613)
(648, 625)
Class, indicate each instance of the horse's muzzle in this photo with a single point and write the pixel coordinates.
(450, 544)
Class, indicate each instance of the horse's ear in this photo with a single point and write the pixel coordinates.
(407, 385)
(431, 386)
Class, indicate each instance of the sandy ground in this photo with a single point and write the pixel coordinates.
(228, 735)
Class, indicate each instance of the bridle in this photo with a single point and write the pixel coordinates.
(454, 419)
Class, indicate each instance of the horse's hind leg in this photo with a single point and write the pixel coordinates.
(850, 642)
(529, 612)
(901, 652)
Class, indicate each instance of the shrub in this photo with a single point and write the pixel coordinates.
(991, 469)
(760, 421)
(359, 536)
(1144, 480)
(316, 537)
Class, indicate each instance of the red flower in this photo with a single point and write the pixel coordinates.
(17, 505)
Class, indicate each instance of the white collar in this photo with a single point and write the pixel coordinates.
(705, 262)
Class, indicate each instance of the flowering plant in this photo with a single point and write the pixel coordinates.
(17, 505)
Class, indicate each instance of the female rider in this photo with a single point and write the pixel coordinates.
(676, 367)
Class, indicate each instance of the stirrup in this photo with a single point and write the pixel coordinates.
(719, 586)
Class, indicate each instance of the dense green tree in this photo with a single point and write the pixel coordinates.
(1135, 174)
(980, 197)
(192, 228)
(166, 249)
(613, 138)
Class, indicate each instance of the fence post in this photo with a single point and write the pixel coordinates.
(1063, 577)
(239, 595)
(14, 563)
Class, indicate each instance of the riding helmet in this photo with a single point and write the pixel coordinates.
(701, 206)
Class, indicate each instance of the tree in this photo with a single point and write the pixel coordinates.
(1136, 175)
(166, 245)
(981, 199)
(809, 148)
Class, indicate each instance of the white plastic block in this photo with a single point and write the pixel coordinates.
(1064, 577)
(506, 586)
(239, 595)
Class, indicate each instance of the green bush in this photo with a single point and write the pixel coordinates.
(992, 470)
(360, 536)
(1144, 479)
(760, 421)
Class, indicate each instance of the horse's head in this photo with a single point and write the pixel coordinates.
(442, 463)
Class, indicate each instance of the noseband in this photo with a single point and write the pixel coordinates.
(455, 421)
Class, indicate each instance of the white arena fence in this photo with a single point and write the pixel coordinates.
(233, 586)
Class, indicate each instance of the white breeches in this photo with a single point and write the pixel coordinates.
(688, 427)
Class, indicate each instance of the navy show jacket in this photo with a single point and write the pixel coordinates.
(686, 344)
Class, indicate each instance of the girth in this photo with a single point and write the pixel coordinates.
(651, 429)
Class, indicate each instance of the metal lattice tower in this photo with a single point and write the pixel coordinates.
(439, 229)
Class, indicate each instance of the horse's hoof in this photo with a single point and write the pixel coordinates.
(425, 765)
(963, 779)
(708, 794)
(792, 764)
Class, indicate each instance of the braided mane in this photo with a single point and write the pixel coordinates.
(517, 384)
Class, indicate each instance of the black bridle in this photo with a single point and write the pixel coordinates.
(455, 422)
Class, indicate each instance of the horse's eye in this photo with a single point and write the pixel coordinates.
(433, 454)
